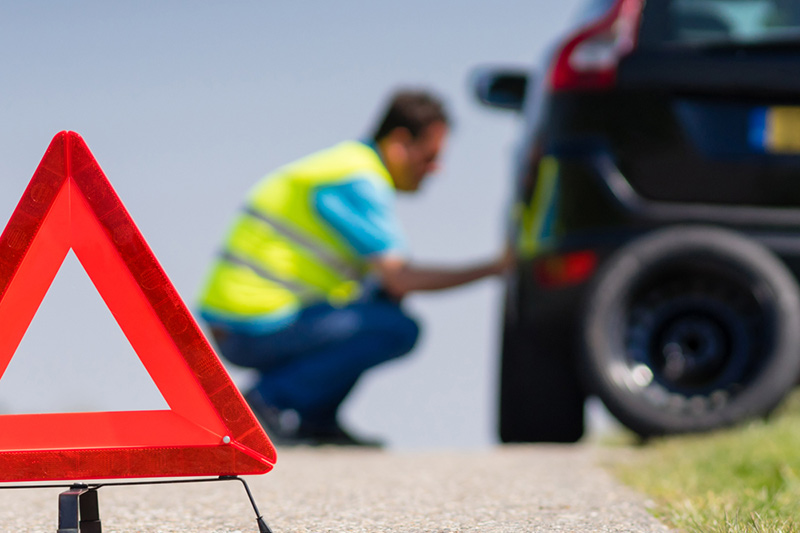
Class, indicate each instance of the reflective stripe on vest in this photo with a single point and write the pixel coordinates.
(317, 249)
(234, 259)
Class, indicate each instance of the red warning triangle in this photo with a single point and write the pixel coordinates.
(208, 430)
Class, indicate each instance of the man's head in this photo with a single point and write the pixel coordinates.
(410, 137)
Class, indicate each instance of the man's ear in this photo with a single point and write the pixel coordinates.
(398, 137)
(401, 135)
(393, 146)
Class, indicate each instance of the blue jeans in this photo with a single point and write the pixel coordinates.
(311, 365)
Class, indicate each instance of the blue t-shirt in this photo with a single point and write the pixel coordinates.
(362, 211)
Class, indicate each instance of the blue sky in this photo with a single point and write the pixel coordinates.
(186, 104)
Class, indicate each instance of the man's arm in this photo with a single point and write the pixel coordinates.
(362, 212)
(400, 277)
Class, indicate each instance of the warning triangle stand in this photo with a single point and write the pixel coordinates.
(208, 428)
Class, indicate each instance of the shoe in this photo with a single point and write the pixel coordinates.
(334, 436)
(267, 416)
(280, 426)
(285, 428)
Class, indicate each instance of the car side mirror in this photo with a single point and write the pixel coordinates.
(501, 88)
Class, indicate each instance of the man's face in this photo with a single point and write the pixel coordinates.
(416, 158)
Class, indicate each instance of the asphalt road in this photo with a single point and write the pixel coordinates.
(512, 488)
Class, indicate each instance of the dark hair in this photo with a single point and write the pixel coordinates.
(413, 110)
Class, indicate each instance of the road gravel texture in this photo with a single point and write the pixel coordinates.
(510, 488)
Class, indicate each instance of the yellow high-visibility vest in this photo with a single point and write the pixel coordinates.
(279, 255)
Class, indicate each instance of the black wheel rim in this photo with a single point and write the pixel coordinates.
(694, 336)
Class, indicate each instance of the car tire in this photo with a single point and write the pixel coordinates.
(689, 329)
(541, 396)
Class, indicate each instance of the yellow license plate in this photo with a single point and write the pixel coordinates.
(783, 129)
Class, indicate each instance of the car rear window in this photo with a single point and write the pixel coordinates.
(723, 22)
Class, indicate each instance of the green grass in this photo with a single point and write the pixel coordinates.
(741, 480)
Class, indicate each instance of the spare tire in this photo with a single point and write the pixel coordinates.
(689, 329)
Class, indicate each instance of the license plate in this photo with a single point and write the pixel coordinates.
(782, 130)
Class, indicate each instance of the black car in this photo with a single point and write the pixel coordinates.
(656, 218)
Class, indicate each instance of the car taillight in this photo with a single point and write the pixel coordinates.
(589, 59)
(566, 269)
